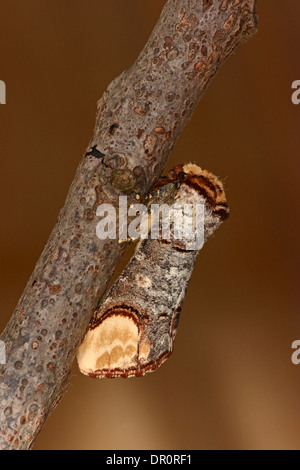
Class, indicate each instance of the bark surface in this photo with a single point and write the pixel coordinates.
(139, 119)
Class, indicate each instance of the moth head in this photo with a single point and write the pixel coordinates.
(116, 345)
(111, 344)
(205, 183)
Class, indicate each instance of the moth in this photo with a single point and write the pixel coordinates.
(133, 330)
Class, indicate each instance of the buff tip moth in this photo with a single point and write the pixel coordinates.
(133, 330)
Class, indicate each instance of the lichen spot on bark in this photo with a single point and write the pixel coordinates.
(143, 281)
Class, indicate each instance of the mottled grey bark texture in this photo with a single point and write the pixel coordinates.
(134, 328)
(139, 119)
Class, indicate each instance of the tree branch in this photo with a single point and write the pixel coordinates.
(139, 119)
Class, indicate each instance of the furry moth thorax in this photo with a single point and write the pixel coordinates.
(203, 182)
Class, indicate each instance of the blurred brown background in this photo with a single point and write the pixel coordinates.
(231, 383)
